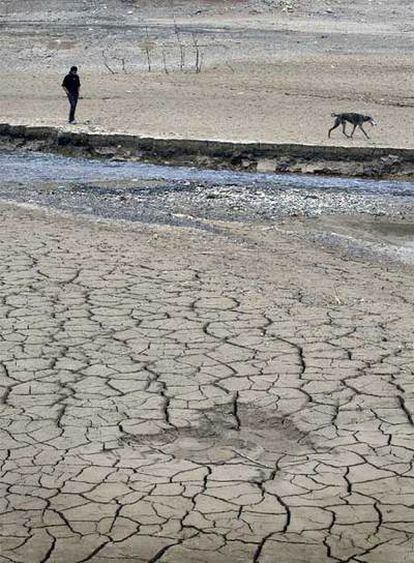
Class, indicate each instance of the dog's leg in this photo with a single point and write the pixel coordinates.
(344, 128)
(353, 131)
(364, 132)
(335, 125)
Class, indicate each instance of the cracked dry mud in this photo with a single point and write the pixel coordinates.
(170, 395)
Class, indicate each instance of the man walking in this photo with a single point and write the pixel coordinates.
(71, 85)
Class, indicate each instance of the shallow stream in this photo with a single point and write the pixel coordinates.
(378, 213)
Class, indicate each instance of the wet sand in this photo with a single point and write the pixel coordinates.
(204, 199)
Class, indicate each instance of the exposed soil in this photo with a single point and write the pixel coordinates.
(242, 393)
(269, 71)
(169, 395)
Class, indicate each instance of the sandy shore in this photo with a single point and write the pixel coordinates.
(250, 104)
(266, 73)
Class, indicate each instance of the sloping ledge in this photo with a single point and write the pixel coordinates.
(318, 159)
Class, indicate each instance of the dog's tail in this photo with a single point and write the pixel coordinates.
(334, 114)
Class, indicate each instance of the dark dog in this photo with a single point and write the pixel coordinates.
(355, 119)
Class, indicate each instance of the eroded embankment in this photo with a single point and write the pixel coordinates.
(373, 162)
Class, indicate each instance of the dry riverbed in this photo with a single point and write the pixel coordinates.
(205, 372)
(179, 394)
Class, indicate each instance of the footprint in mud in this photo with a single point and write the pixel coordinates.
(258, 436)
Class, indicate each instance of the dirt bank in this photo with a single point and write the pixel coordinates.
(373, 162)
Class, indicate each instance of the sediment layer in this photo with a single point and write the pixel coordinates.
(374, 162)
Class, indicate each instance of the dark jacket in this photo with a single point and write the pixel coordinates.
(72, 83)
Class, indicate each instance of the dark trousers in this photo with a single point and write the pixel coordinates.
(73, 102)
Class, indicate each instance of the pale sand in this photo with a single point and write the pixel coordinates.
(266, 75)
